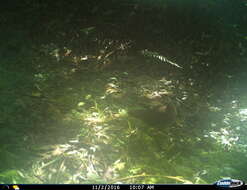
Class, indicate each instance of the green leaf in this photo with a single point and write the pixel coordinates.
(80, 104)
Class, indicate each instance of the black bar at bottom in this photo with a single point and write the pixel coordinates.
(109, 187)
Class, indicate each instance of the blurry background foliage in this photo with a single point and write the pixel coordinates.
(123, 91)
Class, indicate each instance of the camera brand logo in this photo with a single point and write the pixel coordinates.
(229, 183)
